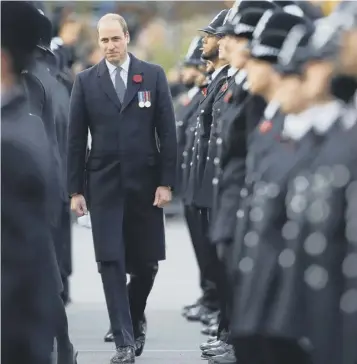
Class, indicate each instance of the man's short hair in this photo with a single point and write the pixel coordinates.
(114, 17)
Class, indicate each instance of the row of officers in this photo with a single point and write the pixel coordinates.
(35, 92)
(266, 171)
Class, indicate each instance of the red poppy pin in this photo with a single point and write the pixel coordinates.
(204, 91)
(228, 97)
(265, 126)
(186, 102)
(224, 87)
(138, 78)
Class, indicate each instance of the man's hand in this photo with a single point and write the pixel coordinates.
(78, 205)
(163, 196)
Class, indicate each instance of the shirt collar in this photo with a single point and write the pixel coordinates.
(318, 117)
(324, 116)
(124, 66)
(232, 71)
(216, 72)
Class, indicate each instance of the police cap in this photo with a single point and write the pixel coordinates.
(293, 52)
(217, 22)
(235, 14)
(271, 32)
(325, 42)
(20, 27)
(193, 56)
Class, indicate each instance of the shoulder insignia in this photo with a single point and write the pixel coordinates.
(204, 91)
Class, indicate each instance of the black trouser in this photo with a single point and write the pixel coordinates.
(194, 223)
(126, 304)
(259, 350)
(216, 272)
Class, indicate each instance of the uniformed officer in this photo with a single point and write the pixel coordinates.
(28, 288)
(44, 93)
(238, 31)
(258, 216)
(193, 73)
(200, 147)
(326, 250)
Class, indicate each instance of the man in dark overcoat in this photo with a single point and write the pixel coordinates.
(127, 106)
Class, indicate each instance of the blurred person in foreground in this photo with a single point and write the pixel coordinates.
(49, 100)
(28, 285)
(127, 177)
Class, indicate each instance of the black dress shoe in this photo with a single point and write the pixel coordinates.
(187, 308)
(123, 355)
(227, 358)
(195, 314)
(210, 330)
(211, 345)
(207, 318)
(220, 350)
(140, 336)
(109, 337)
(139, 345)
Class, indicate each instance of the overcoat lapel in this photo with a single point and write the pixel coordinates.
(132, 87)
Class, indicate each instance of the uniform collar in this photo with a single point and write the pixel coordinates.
(324, 116)
(192, 92)
(217, 71)
(297, 126)
(318, 117)
(124, 66)
(232, 71)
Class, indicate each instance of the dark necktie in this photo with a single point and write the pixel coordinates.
(119, 85)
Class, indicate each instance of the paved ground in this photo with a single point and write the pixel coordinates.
(170, 340)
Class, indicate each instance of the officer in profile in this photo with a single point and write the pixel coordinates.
(28, 287)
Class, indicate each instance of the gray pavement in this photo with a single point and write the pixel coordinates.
(170, 338)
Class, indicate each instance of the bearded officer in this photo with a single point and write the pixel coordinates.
(204, 121)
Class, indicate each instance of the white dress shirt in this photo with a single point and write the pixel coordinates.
(123, 73)
(217, 71)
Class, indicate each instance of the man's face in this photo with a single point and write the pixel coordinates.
(210, 45)
(223, 51)
(189, 74)
(348, 57)
(238, 53)
(290, 95)
(316, 79)
(113, 41)
(259, 75)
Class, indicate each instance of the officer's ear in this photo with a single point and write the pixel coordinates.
(127, 36)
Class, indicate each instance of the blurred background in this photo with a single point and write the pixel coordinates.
(160, 32)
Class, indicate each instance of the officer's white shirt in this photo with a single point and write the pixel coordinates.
(216, 72)
(324, 116)
(123, 73)
(192, 92)
(318, 117)
(231, 71)
(297, 125)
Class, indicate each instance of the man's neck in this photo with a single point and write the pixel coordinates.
(219, 63)
(120, 62)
